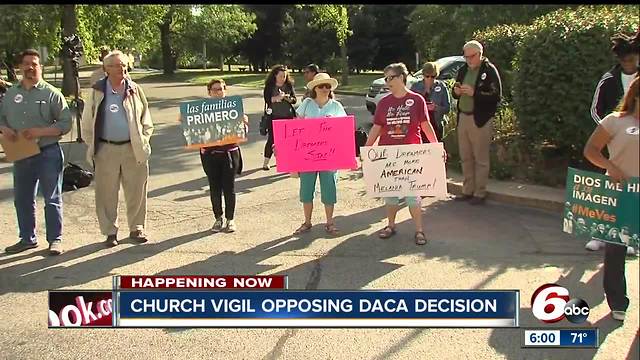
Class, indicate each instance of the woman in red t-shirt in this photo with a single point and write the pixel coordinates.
(398, 119)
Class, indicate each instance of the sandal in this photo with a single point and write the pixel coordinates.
(387, 232)
(420, 238)
(302, 229)
(331, 229)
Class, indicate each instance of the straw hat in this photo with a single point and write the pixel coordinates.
(322, 78)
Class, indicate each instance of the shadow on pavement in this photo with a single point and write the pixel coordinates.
(46, 273)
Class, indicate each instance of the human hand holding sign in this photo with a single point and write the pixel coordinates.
(8, 133)
(32, 133)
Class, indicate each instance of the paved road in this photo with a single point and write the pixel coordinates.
(492, 247)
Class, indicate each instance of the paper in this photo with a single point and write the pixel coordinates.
(213, 122)
(20, 148)
(315, 144)
(404, 170)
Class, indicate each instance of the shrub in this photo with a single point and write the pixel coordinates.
(500, 44)
(560, 59)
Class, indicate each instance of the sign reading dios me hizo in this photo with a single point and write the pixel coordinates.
(404, 170)
(377, 308)
(599, 208)
(315, 144)
(212, 122)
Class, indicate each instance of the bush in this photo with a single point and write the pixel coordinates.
(560, 59)
(500, 44)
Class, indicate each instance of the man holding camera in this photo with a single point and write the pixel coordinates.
(479, 89)
(35, 110)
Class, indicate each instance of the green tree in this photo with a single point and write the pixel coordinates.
(362, 46)
(265, 46)
(441, 30)
(392, 22)
(307, 43)
(335, 18)
(219, 28)
(28, 26)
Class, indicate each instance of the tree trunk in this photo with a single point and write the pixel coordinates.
(8, 64)
(168, 56)
(345, 64)
(69, 27)
(204, 55)
(221, 62)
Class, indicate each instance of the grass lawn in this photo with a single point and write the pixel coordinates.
(357, 83)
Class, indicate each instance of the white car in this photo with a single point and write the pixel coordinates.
(449, 67)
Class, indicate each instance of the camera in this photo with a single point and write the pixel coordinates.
(72, 47)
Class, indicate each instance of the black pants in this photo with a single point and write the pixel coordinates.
(221, 169)
(438, 130)
(268, 146)
(615, 282)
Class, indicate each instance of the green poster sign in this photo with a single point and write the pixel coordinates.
(213, 122)
(597, 207)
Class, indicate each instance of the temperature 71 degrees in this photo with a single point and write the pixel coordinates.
(578, 336)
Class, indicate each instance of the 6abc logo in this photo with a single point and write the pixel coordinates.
(550, 303)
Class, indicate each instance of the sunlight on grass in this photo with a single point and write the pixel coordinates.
(357, 83)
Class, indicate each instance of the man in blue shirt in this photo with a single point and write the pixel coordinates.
(36, 110)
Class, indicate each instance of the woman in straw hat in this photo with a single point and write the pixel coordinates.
(319, 104)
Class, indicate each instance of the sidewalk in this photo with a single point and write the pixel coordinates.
(535, 196)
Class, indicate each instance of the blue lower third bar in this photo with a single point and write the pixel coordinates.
(587, 338)
(378, 308)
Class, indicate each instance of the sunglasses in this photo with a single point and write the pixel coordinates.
(324, 86)
(389, 78)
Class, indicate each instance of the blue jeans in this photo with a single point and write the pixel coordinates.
(44, 169)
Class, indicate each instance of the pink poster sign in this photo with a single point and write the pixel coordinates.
(315, 144)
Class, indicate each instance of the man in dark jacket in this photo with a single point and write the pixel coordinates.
(478, 89)
(615, 83)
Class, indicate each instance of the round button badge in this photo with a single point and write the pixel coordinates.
(18, 98)
(114, 108)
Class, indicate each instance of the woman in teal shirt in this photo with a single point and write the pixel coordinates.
(319, 104)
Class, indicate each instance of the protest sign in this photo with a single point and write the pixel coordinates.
(404, 170)
(597, 207)
(212, 122)
(315, 144)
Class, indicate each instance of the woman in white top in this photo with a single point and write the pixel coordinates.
(620, 133)
(319, 104)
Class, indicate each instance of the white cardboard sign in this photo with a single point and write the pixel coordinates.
(404, 170)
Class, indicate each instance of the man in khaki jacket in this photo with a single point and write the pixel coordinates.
(117, 128)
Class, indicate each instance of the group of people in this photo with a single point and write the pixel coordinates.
(405, 116)
(117, 126)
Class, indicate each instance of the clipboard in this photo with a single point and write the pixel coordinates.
(20, 148)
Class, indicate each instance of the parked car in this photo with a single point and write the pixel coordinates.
(449, 67)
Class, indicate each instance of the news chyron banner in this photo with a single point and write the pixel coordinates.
(266, 302)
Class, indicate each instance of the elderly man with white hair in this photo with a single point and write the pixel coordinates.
(117, 128)
(478, 89)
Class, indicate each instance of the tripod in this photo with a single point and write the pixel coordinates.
(78, 103)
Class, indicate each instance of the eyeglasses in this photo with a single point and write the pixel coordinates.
(389, 78)
(324, 86)
(429, 76)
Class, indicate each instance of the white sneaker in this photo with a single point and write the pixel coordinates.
(231, 226)
(618, 315)
(631, 251)
(594, 245)
(217, 226)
